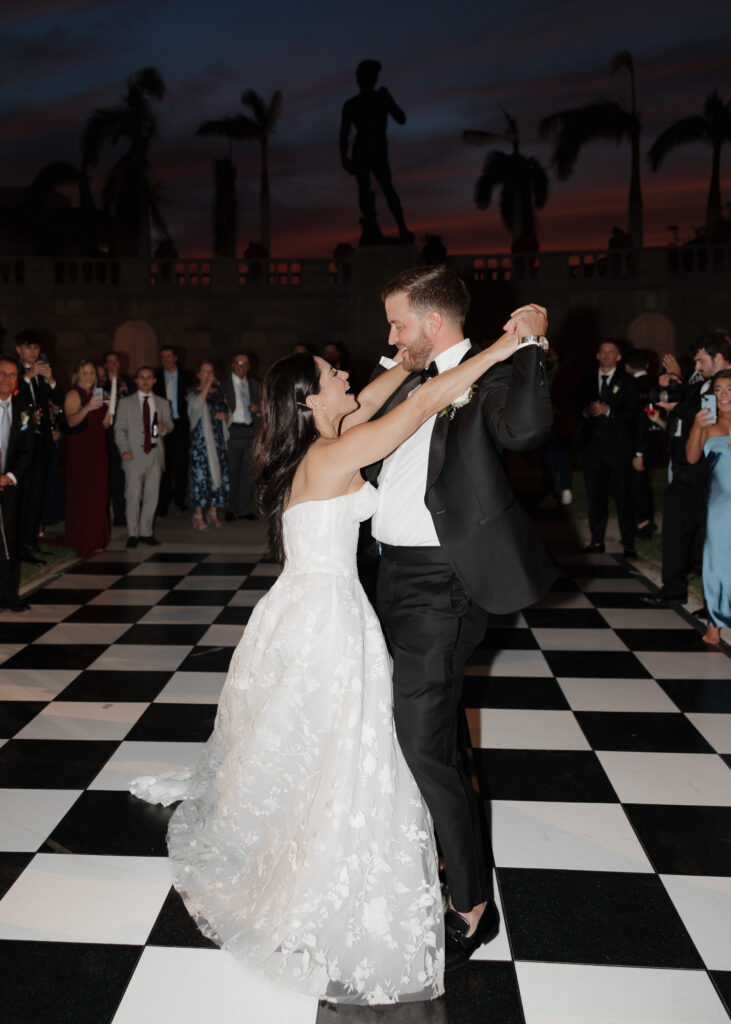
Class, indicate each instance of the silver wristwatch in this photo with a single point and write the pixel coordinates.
(535, 339)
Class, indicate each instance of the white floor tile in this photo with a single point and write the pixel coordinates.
(222, 636)
(40, 613)
(246, 598)
(701, 780)
(714, 728)
(188, 986)
(83, 720)
(84, 633)
(704, 904)
(601, 585)
(578, 640)
(8, 650)
(245, 554)
(584, 994)
(82, 581)
(499, 948)
(563, 601)
(686, 664)
(162, 569)
(129, 597)
(266, 569)
(142, 657)
(133, 758)
(615, 695)
(172, 615)
(513, 663)
(567, 836)
(35, 683)
(192, 688)
(507, 729)
(85, 898)
(28, 816)
(210, 582)
(643, 618)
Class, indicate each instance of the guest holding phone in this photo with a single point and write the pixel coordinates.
(87, 491)
(710, 436)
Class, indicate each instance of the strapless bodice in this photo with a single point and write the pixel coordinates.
(322, 536)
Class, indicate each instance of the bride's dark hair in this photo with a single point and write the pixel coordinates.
(287, 430)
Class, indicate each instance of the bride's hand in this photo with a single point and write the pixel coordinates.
(530, 319)
(505, 347)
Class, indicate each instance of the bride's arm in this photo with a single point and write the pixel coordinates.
(373, 396)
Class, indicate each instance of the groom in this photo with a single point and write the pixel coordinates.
(455, 545)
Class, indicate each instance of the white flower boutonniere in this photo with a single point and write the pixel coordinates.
(24, 420)
(615, 389)
(459, 402)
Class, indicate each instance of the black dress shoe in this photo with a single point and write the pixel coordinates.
(132, 542)
(16, 605)
(230, 517)
(32, 559)
(151, 541)
(593, 549)
(119, 521)
(459, 947)
(629, 553)
(660, 601)
(182, 506)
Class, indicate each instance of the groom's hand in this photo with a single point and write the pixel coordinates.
(530, 319)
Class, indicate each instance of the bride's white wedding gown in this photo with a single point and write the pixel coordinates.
(302, 845)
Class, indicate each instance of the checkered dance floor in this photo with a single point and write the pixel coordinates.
(603, 735)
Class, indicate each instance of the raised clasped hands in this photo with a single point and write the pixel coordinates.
(530, 319)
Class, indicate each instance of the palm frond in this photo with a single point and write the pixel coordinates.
(149, 82)
(577, 127)
(251, 99)
(240, 128)
(620, 60)
(688, 129)
(475, 137)
(495, 173)
(275, 109)
(49, 177)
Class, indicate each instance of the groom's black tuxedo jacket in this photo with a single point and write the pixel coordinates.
(487, 537)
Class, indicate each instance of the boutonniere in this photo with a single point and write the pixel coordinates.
(24, 420)
(459, 402)
(615, 389)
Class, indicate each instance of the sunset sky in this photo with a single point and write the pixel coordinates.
(449, 65)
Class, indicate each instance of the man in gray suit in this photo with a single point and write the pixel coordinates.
(141, 422)
(242, 395)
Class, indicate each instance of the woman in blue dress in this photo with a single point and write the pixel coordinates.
(711, 436)
(208, 472)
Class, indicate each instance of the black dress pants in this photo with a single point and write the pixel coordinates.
(683, 526)
(432, 626)
(174, 482)
(34, 487)
(602, 481)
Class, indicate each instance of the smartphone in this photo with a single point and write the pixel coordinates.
(42, 358)
(99, 394)
(709, 402)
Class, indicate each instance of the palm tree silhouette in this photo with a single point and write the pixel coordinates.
(603, 120)
(522, 180)
(257, 127)
(714, 126)
(129, 192)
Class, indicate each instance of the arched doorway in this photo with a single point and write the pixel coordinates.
(135, 343)
(652, 332)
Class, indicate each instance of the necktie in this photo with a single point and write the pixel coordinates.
(604, 390)
(4, 435)
(146, 425)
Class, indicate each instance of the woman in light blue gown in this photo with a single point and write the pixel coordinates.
(712, 438)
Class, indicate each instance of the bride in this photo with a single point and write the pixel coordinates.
(302, 845)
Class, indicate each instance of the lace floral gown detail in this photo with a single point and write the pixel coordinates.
(302, 845)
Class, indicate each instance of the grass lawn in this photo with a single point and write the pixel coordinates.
(54, 554)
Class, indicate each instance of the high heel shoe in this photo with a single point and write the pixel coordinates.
(213, 521)
(198, 521)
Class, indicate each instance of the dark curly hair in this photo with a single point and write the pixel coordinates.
(287, 430)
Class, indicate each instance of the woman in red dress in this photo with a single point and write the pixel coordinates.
(87, 495)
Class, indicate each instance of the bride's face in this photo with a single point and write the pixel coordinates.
(334, 396)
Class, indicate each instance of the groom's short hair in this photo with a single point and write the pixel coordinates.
(432, 288)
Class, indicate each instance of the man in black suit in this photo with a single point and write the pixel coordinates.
(242, 395)
(17, 443)
(173, 383)
(606, 405)
(36, 387)
(454, 545)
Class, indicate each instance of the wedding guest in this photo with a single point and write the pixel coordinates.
(87, 465)
(555, 453)
(208, 414)
(125, 386)
(174, 383)
(16, 457)
(241, 391)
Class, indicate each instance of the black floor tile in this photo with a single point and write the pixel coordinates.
(145, 583)
(484, 992)
(680, 639)
(564, 618)
(726, 758)
(601, 664)
(513, 692)
(115, 686)
(722, 981)
(154, 633)
(233, 615)
(101, 569)
(12, 866)
(53, 764)
(610, 600)
(564, 585)
(95, 613)
(258, 582)
(510, 619)
(63, 982)
(175, 927)
(55, 656)
(597, 572)
(562, 775)
(194, 598)
(682, 840)
(502, 639)
(176, 556)
(222, 569)
(594, 917)
(191, 723)
(20, 632)
(207, 659)
(14, 714)
(70, 595)
(710, 695)
(110, 823)
(653, 731)
(432, 1012)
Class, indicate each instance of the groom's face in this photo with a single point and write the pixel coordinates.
(407, 332)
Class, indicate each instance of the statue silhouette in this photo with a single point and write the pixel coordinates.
(368, 113)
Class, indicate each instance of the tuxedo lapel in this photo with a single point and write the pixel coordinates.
(399, 395)
(438, 443)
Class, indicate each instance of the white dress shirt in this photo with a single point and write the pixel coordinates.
(402, 518)
(242, 412)
(8, 417)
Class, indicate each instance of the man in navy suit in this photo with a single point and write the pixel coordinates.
(16, 458)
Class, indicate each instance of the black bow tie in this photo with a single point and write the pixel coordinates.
(429, 371)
